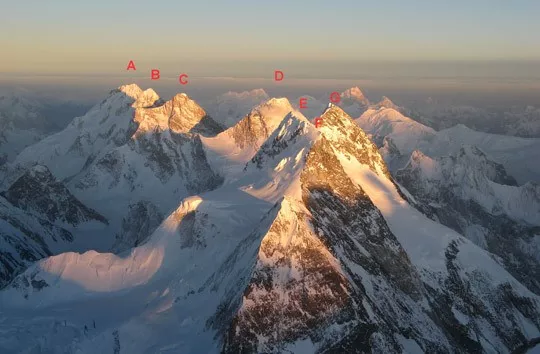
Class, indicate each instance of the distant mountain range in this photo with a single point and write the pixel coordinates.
(149, 226)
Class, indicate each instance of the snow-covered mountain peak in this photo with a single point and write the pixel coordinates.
(354, 94)
(135, 95)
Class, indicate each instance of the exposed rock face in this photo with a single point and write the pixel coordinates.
(39, 193)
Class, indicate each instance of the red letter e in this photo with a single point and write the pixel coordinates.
(303, 102)
(155, 74)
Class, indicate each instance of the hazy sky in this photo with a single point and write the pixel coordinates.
(253, 37)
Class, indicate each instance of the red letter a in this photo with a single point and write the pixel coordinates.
(131, 65)
(155, 74)
(278, 75)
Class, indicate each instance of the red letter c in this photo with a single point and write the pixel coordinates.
(181, 79)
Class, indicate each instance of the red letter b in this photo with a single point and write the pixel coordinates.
(155, 74)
